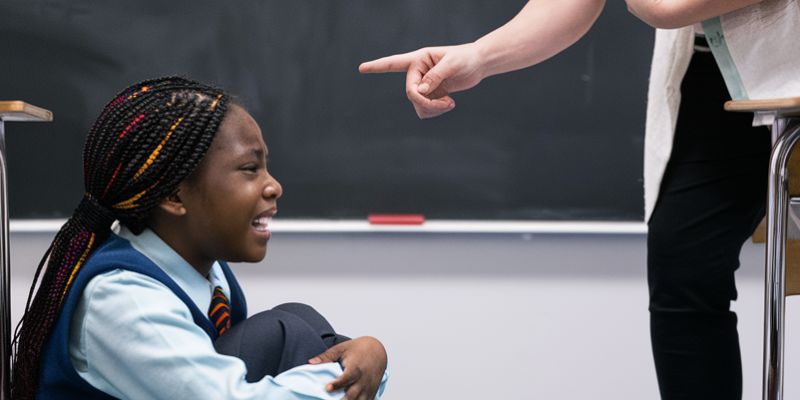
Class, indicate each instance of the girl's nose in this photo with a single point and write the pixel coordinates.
(273, 189)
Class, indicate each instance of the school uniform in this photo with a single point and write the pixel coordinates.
(135, 325)
(705, 191)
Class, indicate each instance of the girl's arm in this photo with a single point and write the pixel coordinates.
(131, 337)
(668, 14)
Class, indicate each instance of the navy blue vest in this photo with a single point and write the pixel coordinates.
(58, 378)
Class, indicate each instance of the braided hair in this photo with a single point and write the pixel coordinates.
(145, 142)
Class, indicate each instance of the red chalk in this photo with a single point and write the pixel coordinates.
(396, 219)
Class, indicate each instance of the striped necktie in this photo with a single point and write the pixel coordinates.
(219, 312)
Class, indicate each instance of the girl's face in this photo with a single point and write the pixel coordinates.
(230, 198)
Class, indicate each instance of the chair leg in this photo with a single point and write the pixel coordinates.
(777, 208)
(5, 278)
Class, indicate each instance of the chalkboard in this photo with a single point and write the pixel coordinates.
(559, 141)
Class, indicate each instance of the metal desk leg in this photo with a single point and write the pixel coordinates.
(788, 132)
(9, 111)
(5, 277)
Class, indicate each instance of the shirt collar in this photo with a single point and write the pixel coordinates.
(196, 286)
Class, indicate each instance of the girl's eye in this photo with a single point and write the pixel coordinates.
(250, 168)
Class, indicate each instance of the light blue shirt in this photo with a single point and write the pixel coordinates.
(126, 320)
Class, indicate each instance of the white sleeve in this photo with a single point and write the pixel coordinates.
(132, 338)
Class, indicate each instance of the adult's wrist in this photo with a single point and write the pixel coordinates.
(484, 58)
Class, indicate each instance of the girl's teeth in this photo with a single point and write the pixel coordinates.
(261, 224)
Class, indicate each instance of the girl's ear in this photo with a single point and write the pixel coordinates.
(172, 204)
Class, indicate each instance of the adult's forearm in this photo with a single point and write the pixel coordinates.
(670, 14)
(542, 29)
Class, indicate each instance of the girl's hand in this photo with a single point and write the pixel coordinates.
(364, 362)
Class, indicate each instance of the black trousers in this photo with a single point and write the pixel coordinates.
(279, 339)
(712, 197)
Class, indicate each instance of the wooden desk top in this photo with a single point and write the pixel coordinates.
(787, 107)
(21, 111)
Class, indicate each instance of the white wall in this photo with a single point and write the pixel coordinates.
(483, 316)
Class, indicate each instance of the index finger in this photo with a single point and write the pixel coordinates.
(331, 355)
(395, 63)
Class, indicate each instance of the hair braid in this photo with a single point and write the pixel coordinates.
(147, 139)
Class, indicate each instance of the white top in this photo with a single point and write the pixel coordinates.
(126, 321)
(671, 56)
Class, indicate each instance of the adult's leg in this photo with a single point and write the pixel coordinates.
(277, 340)
(711, 199)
